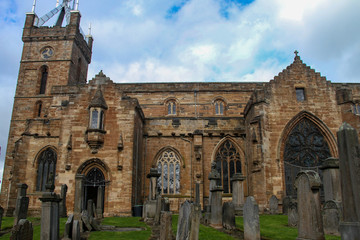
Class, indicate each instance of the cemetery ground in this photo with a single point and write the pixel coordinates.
(272, 227)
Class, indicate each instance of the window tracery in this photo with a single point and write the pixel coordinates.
(219, 107)
(171, 107)
(46, 168)
(168, 165)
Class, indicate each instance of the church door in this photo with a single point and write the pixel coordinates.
(95, 188)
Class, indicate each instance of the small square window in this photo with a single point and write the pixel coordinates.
(300, 94)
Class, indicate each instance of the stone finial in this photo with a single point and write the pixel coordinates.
(297, 57)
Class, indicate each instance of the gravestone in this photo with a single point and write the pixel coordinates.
(207, 215)
(150, 206)
(216, 207)
(90, 208)
(50, 214)
(22, 231)
(189, 221)
(165, 204)
(331, 217)
(228, 216)
(79, 194)
(285, 205)
(62, 204)
(68, 227)
(165, 226)
(214, 177)
(153, 176)
(310, 224)
(76, 230)
(158, 210)
(349, 159)
(197, 193)
(86, 220)
(251, 219)
(1, 215)
(274, 205)
(22, 203)
(293, 217)
(100, 202)
(331, 179)
(238, 192)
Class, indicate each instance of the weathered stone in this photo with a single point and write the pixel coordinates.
(22, 203)
(153, 176)
(251, 219)
(331, 179)
(331, 217)
(76, 230)
(22, 231)
(158, 210)
(94, 223)
(293, 216)
(274, 205)
(90, 208)
(214, 177)
(62, 204)
(149, 209)
(197, 193)
(310, 224)
(86, 220)
(228, 216)
(50, 216)
(349, 155)
(216, 207)
(69, 226)
(100, 202)
(165, 226)
(165, 204)
(189, 221)
(238, 192)
(285, 205)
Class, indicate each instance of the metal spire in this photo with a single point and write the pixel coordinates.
(33, 7)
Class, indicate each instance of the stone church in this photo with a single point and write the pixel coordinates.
(101, 138)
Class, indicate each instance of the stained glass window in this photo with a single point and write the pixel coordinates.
(228, 163)
(169, 166)
(305, 148)
(46, 168)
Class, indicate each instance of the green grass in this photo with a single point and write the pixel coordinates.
(122, 222)
(276, 227)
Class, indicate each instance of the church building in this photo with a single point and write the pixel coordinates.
(109, 135)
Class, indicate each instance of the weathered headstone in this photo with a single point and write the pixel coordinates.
(76, 230)
(214, 177)
(228, 216)
(165, 204)
(165, 226)
(22, 231)
(100, 202)
(310, 224)
(86, 220)
(349, 159)
(197, 193)
(189, 221)
(285, 205)
(68, 227)
(207, 215)
(331, 217)
(238, 192)
(90, 208)
(331, 179)
(153, 176)
(293, 216)
(150, 206)
(216, 207)
(94, 223)
(62, 204)
(251, 219)
(50, 214)
(1, 215)
(274, 205)
(22, 203)
(158, 210)
(78, 201)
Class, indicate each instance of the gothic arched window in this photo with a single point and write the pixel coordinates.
(219, 107)
(43, 81)
(171, 107)
(46, 168)
(305, 148)
(94, 178)
(228, 163)
(168, 165)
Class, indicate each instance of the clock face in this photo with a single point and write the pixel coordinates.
(47, 52)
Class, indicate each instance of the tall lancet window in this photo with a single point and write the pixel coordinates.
(44, 77)
(46, 168)
(168, 165)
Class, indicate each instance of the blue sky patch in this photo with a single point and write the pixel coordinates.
(173, 10)
(225, 5)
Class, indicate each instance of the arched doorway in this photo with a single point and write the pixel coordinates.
(94, 186)
(305, 148)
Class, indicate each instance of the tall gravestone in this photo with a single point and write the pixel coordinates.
(251, 219)
(331, 217)
(310, 224)
(214, 177)
(274, 205)
(68, 227)
(188, 222)
(331, 179)
(238, 192)
(22, 231)
(216, 207)
(349, 161)
(165, 226)
(293, 217)
(78, 201)
(22, 203)
(100, 202)
(150, 207)
(62, 205)
(228, 216)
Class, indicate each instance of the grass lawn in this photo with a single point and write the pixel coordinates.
(275, 227)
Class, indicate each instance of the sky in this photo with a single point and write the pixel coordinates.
(196, 41)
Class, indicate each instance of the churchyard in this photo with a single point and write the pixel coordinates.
(305, 217)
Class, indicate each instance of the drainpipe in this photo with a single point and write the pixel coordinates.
(191, 174)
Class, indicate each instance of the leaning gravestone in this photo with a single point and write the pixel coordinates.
(189, 221)
(22, 231)
(76, 230)
(86, 220)
(293, 217)
(22, 203)
(331, 217)
(165, 226)
(251, 219)
(349, 159)
(228, 216)
(274, 205)
(68, 227)
(310, 224)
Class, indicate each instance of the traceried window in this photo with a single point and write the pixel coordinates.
(94, 178)
(219, 107)
(43, 81)
(171, 107)
(228, 163)
(168, 165)
(305, 149)
(46, 168)
(96, 118)
(300, 94)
